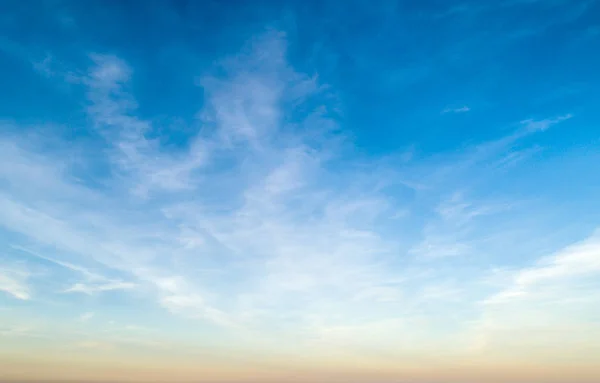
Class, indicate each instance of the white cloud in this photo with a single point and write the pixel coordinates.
(93, 282)
(252, 224)
(294, 233)
(20, 331)
(576, 261)
(137, 159)
(531, 125)
(462, 109)
(86, 316)
(453, 231)
(551, 304)
(14, 283)
(85, 272)
(91, 289)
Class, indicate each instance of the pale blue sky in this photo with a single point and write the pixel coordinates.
(343, 183)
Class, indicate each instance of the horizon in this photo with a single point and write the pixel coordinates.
(300, 191)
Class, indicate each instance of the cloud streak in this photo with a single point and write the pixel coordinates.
(532, 125)
(14, 283)
(462, 109)
(92, 289)
(570, 265)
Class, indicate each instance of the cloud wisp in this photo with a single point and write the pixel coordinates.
(14, 283)
(462, 109)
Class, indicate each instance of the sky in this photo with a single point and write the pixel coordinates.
(300, 191)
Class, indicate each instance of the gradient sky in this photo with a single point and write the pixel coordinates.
(310, 191)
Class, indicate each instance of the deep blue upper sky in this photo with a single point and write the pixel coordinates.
(395, 64)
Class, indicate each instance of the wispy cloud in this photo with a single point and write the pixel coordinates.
(570, 265)
(249, 223)
(462, 109)
(19, 331)
(14, 282)
(86, 316)
(452, 231)
(85, 272)
(93, 282)
(291, 231)
(532, 125)
(138, 160)
(91, 289)
(550, 303)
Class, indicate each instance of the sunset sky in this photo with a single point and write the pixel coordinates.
(300, 191)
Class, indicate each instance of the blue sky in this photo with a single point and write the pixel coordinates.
(319, 188)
